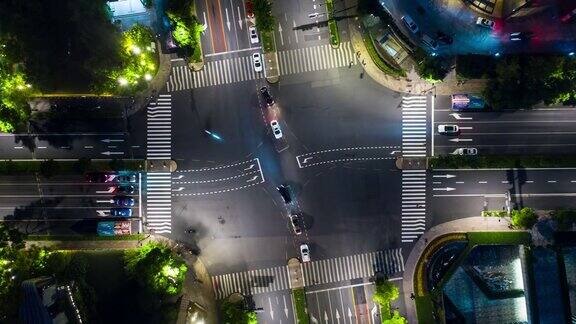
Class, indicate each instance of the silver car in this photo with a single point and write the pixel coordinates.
(485, 23)
(465, 151)
(448, 129)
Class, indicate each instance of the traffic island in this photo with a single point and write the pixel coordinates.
(296, 278)
(333, 25)
(272, 70)
(161, 165)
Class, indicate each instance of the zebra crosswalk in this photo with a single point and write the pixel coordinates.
(413, 204)
(414, 126)
(316, 272)
(159, 202)
(315, 58)
(159, 129)
(238, 69)
(352, 267)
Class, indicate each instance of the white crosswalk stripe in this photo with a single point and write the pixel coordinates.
(315, 58)
(238, 69)
(159, 129)
(260, 281)
(414, 126)
(354, 266)
(413, 204)
(159, 202)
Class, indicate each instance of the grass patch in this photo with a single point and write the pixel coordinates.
(268, 42)
(299, 297)
(424, 309)
(334, 35)
(133, 237)
(502, 161)
(494, 213)
(380, 63)
(503, 238)
(68, 167)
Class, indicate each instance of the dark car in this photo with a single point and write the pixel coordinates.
(284, 191)
(296, 223)
(267, 97)
(125, 189)
(521, 36)
(99, 177)
(121, 212)
(123, 201)
(127, 178)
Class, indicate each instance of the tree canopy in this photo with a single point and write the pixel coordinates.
(263, 12)
(524, 218)
(386, 292)
(14, 92)
(236, 313)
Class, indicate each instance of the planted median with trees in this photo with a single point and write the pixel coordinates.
(501, 161)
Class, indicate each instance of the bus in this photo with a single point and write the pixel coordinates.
(467, 102)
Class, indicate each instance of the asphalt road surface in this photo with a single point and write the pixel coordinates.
(465, 193)
(61, 204)
(536, 131)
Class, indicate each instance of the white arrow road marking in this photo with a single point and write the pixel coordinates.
(443, 189)
(295, 31)
(239, 19)
(179, 189)
(271, 311)
(107, 140)
(178, 177)
(350, 314)
(112, 153)
(447, 176)
(105, 201)
(285, 306)
(102, 212)
(110, 189)
(205, 21)
(337, 317)
(306, 159)
(461, 140)
(280, 32)
(227, 19)
(457, 116)
(314, 320)
(253, 179)
(394, 152)
(325, 317)
(466, 127)
(250, 167)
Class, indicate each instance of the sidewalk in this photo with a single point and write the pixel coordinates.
(412, 83)
(470, 224)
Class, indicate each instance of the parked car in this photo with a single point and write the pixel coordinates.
(257, 62)
(305, 252)
(521, 36)
(112, 228)
(276, 129)
(465, 151)
(124, 189)
(485, 23)
(284, 191)
(267, 97)
(100, 177)
(253, 35)
(121, 212)
(123, 201)
(448, 129)
(410, 24)
(430, 42)
(296, 223)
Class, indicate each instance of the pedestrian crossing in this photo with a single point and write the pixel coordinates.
(316, 272)
(316, 58)
(159, 129)
(159, 202)
(238, 69)
(414, 126)
(413, 204)
(351, 267)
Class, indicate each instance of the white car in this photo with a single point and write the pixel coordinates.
(485, 23)
(410, 24)
(253, 35)
(305, 252)
(276, 129)
(448, 129)
(465, 151)
(257, 61)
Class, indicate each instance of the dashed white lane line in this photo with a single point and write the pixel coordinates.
(218, 191)
(482, 182)
(347, 160)
(350, 149)
(216, 180)
(88, 147)
(551, 181)
(220, 167)
(41, 147)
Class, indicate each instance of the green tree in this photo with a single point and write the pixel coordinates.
(431, 68)
(524, 218)
(263, 12)
(396, 319)
(385, 292)
(155, 266)
(236, 313)
(565, 218)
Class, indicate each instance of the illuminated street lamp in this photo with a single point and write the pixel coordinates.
(147, 77)
(122, 81)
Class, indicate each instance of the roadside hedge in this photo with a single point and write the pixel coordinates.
(502, 161)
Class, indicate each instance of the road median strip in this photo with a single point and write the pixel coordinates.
(52, 167)
(299, 299)
(502, 161)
